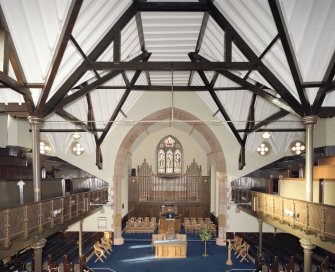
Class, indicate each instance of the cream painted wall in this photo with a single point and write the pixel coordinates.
(296, 188)
(98, 221)
(324, 132)
(328, 192)
(3, 130)
(191, 150)
(243, 222)
(16, 132)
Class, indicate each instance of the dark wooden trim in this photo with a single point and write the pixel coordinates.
(268, 120)
(251, 56)
(175, 66)
(228, 46)
(140, 32)
(74, 120)
(199, 41)
(88, 88)
(247, 85)
(70, 21)
(289, 52)
(95, 53)
(218, 102)
(6, 52)
(121, 103)
(12, 107)
(327, 112)
(16, 64)
(248, 131)
(322, 92)
(274, 40)
(82, 53)
(171, 6)
(13, 84)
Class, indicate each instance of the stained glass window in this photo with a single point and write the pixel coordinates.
(169, 156)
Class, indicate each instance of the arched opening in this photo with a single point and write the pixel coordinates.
(216, 150)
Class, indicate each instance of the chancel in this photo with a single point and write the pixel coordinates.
(133, 131)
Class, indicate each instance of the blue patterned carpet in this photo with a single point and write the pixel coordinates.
(136, 254)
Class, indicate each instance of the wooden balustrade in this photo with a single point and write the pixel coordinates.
(296, 213)
(22, 220)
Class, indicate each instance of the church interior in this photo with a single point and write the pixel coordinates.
(231, 168)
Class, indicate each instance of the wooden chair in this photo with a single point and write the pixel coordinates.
(106, 245)
(243, 253)
(99, 252)
(237, 244)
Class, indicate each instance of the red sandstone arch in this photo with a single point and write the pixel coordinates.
(208, 135)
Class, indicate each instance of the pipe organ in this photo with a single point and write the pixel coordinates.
(147, 192)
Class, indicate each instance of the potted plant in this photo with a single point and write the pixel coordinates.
(205, 235)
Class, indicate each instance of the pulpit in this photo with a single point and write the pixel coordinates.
(169, 225)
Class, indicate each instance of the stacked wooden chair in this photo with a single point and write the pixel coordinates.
(241, 248)
(102, 247)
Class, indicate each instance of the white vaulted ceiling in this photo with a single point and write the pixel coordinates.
(169, 31)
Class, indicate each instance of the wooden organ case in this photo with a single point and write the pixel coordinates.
(190, 193)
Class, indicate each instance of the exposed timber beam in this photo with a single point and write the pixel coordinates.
(274, 40)
(120, 104)
(251, 56)
(13, 84)
(322, 92)
(199, 41)
(95, 53)
(140, 32)
(74, 120)
(13, 57)
(250, 123)
(171, 6)
(175, 66)
(272, 118)
(88, 88)
(247, 85)
(218, 103)
(290, 55)
(65, 35)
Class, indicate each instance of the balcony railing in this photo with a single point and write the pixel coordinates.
(22, 221)
(310, 217)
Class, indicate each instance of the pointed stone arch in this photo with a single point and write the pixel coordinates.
(216, 151)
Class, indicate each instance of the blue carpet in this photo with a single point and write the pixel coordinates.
(136, 254)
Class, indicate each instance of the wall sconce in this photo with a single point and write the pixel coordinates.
(263, 149)
(76, 148)
(44, 148)
(298, 147)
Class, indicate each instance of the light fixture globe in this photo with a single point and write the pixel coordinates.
(298, 147)
(44, 148)
(77, 149)
(263, 149)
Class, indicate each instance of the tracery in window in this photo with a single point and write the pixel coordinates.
(169, 156)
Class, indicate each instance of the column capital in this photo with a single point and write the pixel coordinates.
(39, 244)
(306, 245)
(310, 120)
(35, 119)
